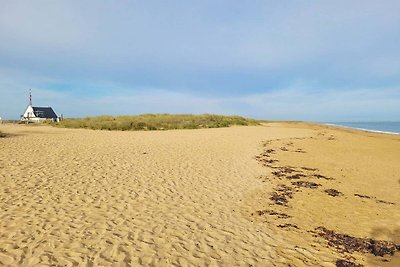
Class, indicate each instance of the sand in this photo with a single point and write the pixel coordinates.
(72, 197)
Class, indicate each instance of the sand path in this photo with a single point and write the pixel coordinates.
(71, 197)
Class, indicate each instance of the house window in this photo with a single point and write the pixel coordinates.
(39, 114)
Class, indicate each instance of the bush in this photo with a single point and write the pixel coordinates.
(155, 122)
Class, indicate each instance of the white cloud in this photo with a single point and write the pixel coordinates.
(155, 48)
(181, 35)
(363, 104)
(296, 102)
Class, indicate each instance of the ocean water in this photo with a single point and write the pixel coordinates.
(392, 127)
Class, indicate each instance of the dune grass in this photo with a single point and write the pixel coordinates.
(155, 122)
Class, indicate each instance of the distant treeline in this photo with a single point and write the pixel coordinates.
(155, 122)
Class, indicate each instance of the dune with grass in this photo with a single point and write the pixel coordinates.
(146, 122)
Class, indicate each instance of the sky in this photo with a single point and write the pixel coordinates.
(308, 60)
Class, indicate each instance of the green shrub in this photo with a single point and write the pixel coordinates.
(155, 122)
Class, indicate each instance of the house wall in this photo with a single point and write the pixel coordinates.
(28, 113)
(37, 120)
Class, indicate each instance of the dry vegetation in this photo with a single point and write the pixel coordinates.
(155, 122)
(2, 135)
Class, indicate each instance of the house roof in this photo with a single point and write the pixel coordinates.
(44, 112)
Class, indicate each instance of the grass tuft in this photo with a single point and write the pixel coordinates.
(147, 122)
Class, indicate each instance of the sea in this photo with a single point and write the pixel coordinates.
(392, 127)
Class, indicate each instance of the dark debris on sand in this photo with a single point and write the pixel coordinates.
(288, 225)
(283, 171)
(286, 169)
(333, 192)
(376, 200)
(278, 174)
(281, 195)
(266, 154)
(361, 196)
(384, 202)
(346, 263)
(295, 176)
(270, 161)
(265, 158)
(350, 244)
(307, 184)
(279, 199)
(309, 169)
(319, 176)
(273, 213)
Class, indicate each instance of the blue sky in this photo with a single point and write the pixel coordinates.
(284, 60)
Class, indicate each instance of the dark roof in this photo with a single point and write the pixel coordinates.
(44, 112)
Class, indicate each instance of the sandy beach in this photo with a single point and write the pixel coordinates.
(240, 196)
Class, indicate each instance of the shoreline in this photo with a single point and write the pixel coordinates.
(360, 129)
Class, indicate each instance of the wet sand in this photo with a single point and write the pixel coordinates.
(193, 197)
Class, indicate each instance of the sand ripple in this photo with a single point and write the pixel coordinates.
(80, 197)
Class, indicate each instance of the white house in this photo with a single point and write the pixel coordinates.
(38, 114)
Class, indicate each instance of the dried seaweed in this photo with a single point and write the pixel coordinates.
(306, 184)
(273, 213)
(362, 196)
(265, 158)
(281, 195)
(287, 225)
(287, 169)
(270, 161)
(384, 202)
(309, 169)
(346, 263)
(283, 171)
(376, 200)
(278, 174)
(350, 244)
(333, 192)
(295, 176)
(279, 199)
(319, 176)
